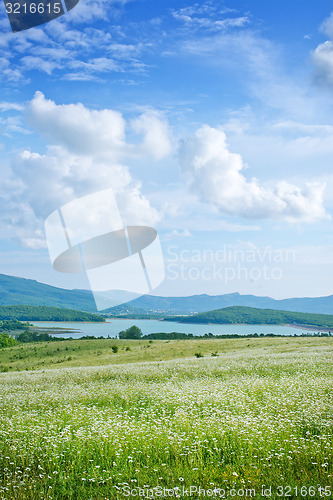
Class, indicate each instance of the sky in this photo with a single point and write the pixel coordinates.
(212, 122)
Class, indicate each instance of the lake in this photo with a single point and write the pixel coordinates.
(112, 327)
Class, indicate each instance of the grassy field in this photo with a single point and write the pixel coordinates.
(79, 421)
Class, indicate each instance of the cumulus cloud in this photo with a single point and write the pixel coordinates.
(76, 127)
(216, 176)
(42, 183)
(98, 132)
(50, 180)
(156, 133)
(84, 155)
(323, 55)
(323, 60)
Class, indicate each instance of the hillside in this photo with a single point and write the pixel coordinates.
(42, 313)
(253, 316)
(23, 291)
(14, 290)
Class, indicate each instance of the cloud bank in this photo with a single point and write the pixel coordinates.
(85, 153)
(216, 176)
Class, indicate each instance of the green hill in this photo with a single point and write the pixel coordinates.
(42, 313)
(253, 316)
(14, 290)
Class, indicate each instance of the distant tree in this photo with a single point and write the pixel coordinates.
(28, 336)
(133, 332)
(6, 340)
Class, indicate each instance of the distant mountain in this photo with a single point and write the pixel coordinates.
(21, 291)
(202, 303)
(251, 316)
(14, 290)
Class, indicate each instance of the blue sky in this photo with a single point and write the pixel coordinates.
(211, 121)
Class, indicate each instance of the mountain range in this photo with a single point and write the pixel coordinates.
(15, 290)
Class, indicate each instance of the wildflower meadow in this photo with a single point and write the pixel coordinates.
(245, 419)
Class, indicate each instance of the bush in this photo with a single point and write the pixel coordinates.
(114, 348)
(198, 355)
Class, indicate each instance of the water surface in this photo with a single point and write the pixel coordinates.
(112, 327)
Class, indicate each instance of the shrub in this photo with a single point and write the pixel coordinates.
(114, 348)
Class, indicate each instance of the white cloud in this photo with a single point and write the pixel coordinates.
(305, 128)
(7, 72)
(322, 56)
(48, 181)
(11, 119)
(327, 26)
(83, 156)
(12, 124)
(156, 134)
(70, 48)
(120, 50)
(97, 65)
(216, 176)
(100, 133)
(253, 62)
(177, 234)
(181, 209)
(76, 127)
(91, 10)
(323, 60)
(208, 16)
(7, 106)
(46, 65)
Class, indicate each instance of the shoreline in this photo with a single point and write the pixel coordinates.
(311, 328)
(66, 321)
(291, 325)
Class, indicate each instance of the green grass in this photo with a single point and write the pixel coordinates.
(259, 412)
